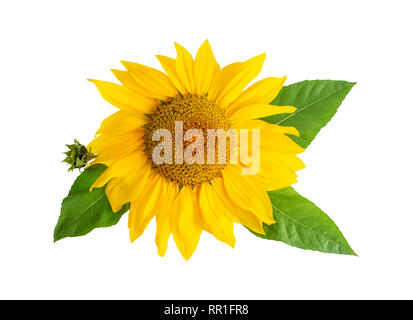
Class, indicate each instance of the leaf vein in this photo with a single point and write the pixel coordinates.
(298, 222)
(310, 104)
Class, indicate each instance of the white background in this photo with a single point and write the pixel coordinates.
(359, 168)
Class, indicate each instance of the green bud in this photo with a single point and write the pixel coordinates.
(77, 156)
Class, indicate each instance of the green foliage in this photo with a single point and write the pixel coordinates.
(82, 210)
(316, 101)
(300, 223)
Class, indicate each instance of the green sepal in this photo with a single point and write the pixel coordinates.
(77, 156)
(83, 210)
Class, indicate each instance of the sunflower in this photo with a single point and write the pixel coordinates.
(188, 198)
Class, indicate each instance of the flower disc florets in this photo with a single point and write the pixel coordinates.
(195, 112)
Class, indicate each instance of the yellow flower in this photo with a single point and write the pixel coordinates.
(188, 198)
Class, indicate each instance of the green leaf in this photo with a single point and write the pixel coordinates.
(300, 223)
(316, 101)
(82, 210)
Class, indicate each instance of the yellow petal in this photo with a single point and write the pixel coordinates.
(251, 124)
(230, 82)
(214, 221)
(126, 78)
(292, 161)
(151, 82)
(123, 190)
(185, 68)
(247, 194)
(280, 166)
(107, 162)
(205, 68)
(169, 65)
(222, 78)
(278, 141)
(121, 122)
(121, 168)
(271, 184)
(261, 92)
(224, 205)
(276, 129)
(107, 158)
(124, 98)
(259, 111)
(274, 174)
(185, 222)
(118, 145)
(278, 160)
(145, 206)
(163, 230)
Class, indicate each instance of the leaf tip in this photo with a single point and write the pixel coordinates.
(56, 238)
(352, 253)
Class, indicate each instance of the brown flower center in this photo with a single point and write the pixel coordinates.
(195, 112)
